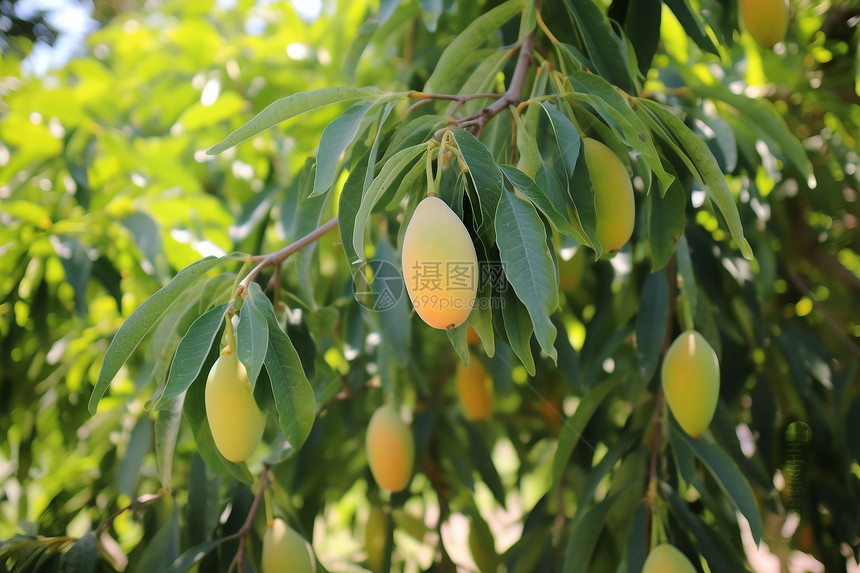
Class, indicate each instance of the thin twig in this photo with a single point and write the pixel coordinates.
(137, 504)
(249, 521)
(277, 257)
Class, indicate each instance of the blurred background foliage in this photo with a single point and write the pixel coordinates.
(106, 193)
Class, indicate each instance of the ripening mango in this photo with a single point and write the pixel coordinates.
(613, 195)
(390, 448)
(440, 265)
(766, 21)
(691, 381)
(475, 389)
(666, 559)
(285, 550)
(234, 418)
(376, 537)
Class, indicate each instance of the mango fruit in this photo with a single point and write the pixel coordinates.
(440, 265)
(667, 559)
(475, 389)
(376, 538)
(285, 550)
(390, 449)
(691, 381)
(236, 422)
(766, 21)
(614, 204)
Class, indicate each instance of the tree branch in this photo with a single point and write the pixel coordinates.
(137, 504)
(278, 257)
(249, 521)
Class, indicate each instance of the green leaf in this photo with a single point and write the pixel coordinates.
(761, 113)
(390, 171)
(707, 171)
(728, 475)
(685, 272)
(651, 323)
(519, 328)
(584, 533)
(713, 545)
(581, 191)
(666, 221)
(566, 136)
(480, 454)
(193, 555)
(144, 318)
(528, 264)
(614, 107)
(556, 214)
(191, 353)
(291, 106)
(294, 396)
(485, 176)
(252, 335)
(606, 56)
(642, 26)
(336, 137)
(78, 267)
(82, 557)
(573, 427)
(693, 25)
(618, 450)
(128, 472)
(204, 503)
(166, 433)
(347, 210)
(164, 546)
(467, 42)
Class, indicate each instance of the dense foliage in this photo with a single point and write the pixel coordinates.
(140, 186)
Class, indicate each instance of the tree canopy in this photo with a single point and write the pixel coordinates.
(226, 177)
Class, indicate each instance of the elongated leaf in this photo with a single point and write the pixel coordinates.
(82, 557)
(651, 323)
(541, 200)
(584, 533)
(693, 25)
(666, 221)
(618, 450)
(600, 42)
(164, 546)
(252, 335)
(706, 170)
(485, 176)
(714, 547)
(203, 507)
(288, 107)
(731, 479)
(191, 353)
(139, 443)
(685, 272)
(336, 137)
(193, 555)
(480, 455)
(573, 427)
(763, 115)
(567, 138)
(528, 265)
(467, 42)
(519, 328)
(642, 26)
(348, 205)
(583, 212)
(142, 320)
(610, 104)
(294, 396)
(390, 171)
(166, 433)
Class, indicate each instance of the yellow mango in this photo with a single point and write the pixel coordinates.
(440, 265)
(285, 550)
(390, 449)
(376, 537)
(236, 422)
(691, 381)
(475, 389)
(614, 204)
(766, 21)
(667, 559)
